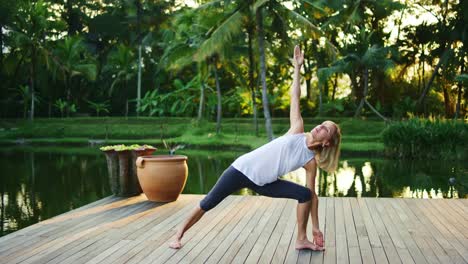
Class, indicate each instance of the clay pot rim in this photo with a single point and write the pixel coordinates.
(156, 158)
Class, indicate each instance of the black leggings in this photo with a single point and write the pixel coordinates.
(232, 180)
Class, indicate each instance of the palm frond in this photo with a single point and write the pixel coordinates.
(221, 35)
(316, 32)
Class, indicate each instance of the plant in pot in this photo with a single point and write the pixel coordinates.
(122, 171)
(163, 177)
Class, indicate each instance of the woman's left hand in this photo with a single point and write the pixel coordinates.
(298, 56)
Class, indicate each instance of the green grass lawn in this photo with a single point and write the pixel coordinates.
(359, 135)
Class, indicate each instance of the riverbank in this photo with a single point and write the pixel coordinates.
(359, 135)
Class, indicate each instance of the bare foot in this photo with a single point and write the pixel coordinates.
(306, 244)
(176, 244)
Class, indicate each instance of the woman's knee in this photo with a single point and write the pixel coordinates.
(207, 204)
(305, 195)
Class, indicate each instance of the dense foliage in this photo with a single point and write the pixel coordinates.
(391, 58)
(418, 138)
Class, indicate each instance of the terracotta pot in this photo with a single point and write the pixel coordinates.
(162, 177)
(135, 154)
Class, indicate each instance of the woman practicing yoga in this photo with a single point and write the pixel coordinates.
(259, 169)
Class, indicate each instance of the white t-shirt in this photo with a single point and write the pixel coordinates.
(284, 154)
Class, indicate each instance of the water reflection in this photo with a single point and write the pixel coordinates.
(39, 183)
(355, 177)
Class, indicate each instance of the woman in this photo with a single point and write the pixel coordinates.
(259, 170)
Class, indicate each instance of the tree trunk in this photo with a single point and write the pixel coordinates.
(423, 74)
(335, 85)
(252, 84)
(447, 104)
(139, 82)
(261, 48)
(429, 83)
(202, 101)
(326, 91)
(459, 95)
(139, 9)
(219, 106)
(320, 99)
(32, 84)
(375, 110)
(307, 78)
(365, 78)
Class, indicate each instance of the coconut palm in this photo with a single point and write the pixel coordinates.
(358, 65)
(72, 61)
(28, 42)
(121, 64)
(244, 13)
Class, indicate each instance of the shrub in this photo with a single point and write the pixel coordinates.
(427, 138)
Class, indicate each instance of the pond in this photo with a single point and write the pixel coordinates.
(41, 182)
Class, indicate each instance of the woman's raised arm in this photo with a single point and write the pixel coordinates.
(297, 125)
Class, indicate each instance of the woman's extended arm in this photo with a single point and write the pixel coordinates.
(297, 125)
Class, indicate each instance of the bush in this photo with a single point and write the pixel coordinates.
(427, 138)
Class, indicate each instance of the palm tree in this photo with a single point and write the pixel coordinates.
(121, 66)
(27, 34)
(359, 64)
(71, 59)
(240, 14)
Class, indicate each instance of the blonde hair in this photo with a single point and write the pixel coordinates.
(328, 157)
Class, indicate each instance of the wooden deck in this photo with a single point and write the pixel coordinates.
(246, 229)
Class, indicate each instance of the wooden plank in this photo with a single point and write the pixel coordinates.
(317, 256)
(329, 255)
(389, 248)
(304, 254)
(392, 229)
(53, 242)
(152, 220)
(451, 234)
(133, 230)
(462, 204)
(411, 245)
(259, 246)
(433, 252)
(107, 252)
(289, 214)
(39, 225)
(453, 215)
(341, 240)
(262, 213)
(254, 207)
(457, 208)
(436, 234)
(415, 232)
(59, 243)
(163, 251)
(201, 239)
(351, 235)
(167, 228)
(292, 253)
(64, 253)
(270, 216)
(376, 245)
(163, 212)
(105, 235)
(361, 232)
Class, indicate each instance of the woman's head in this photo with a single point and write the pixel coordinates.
(329, 135)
